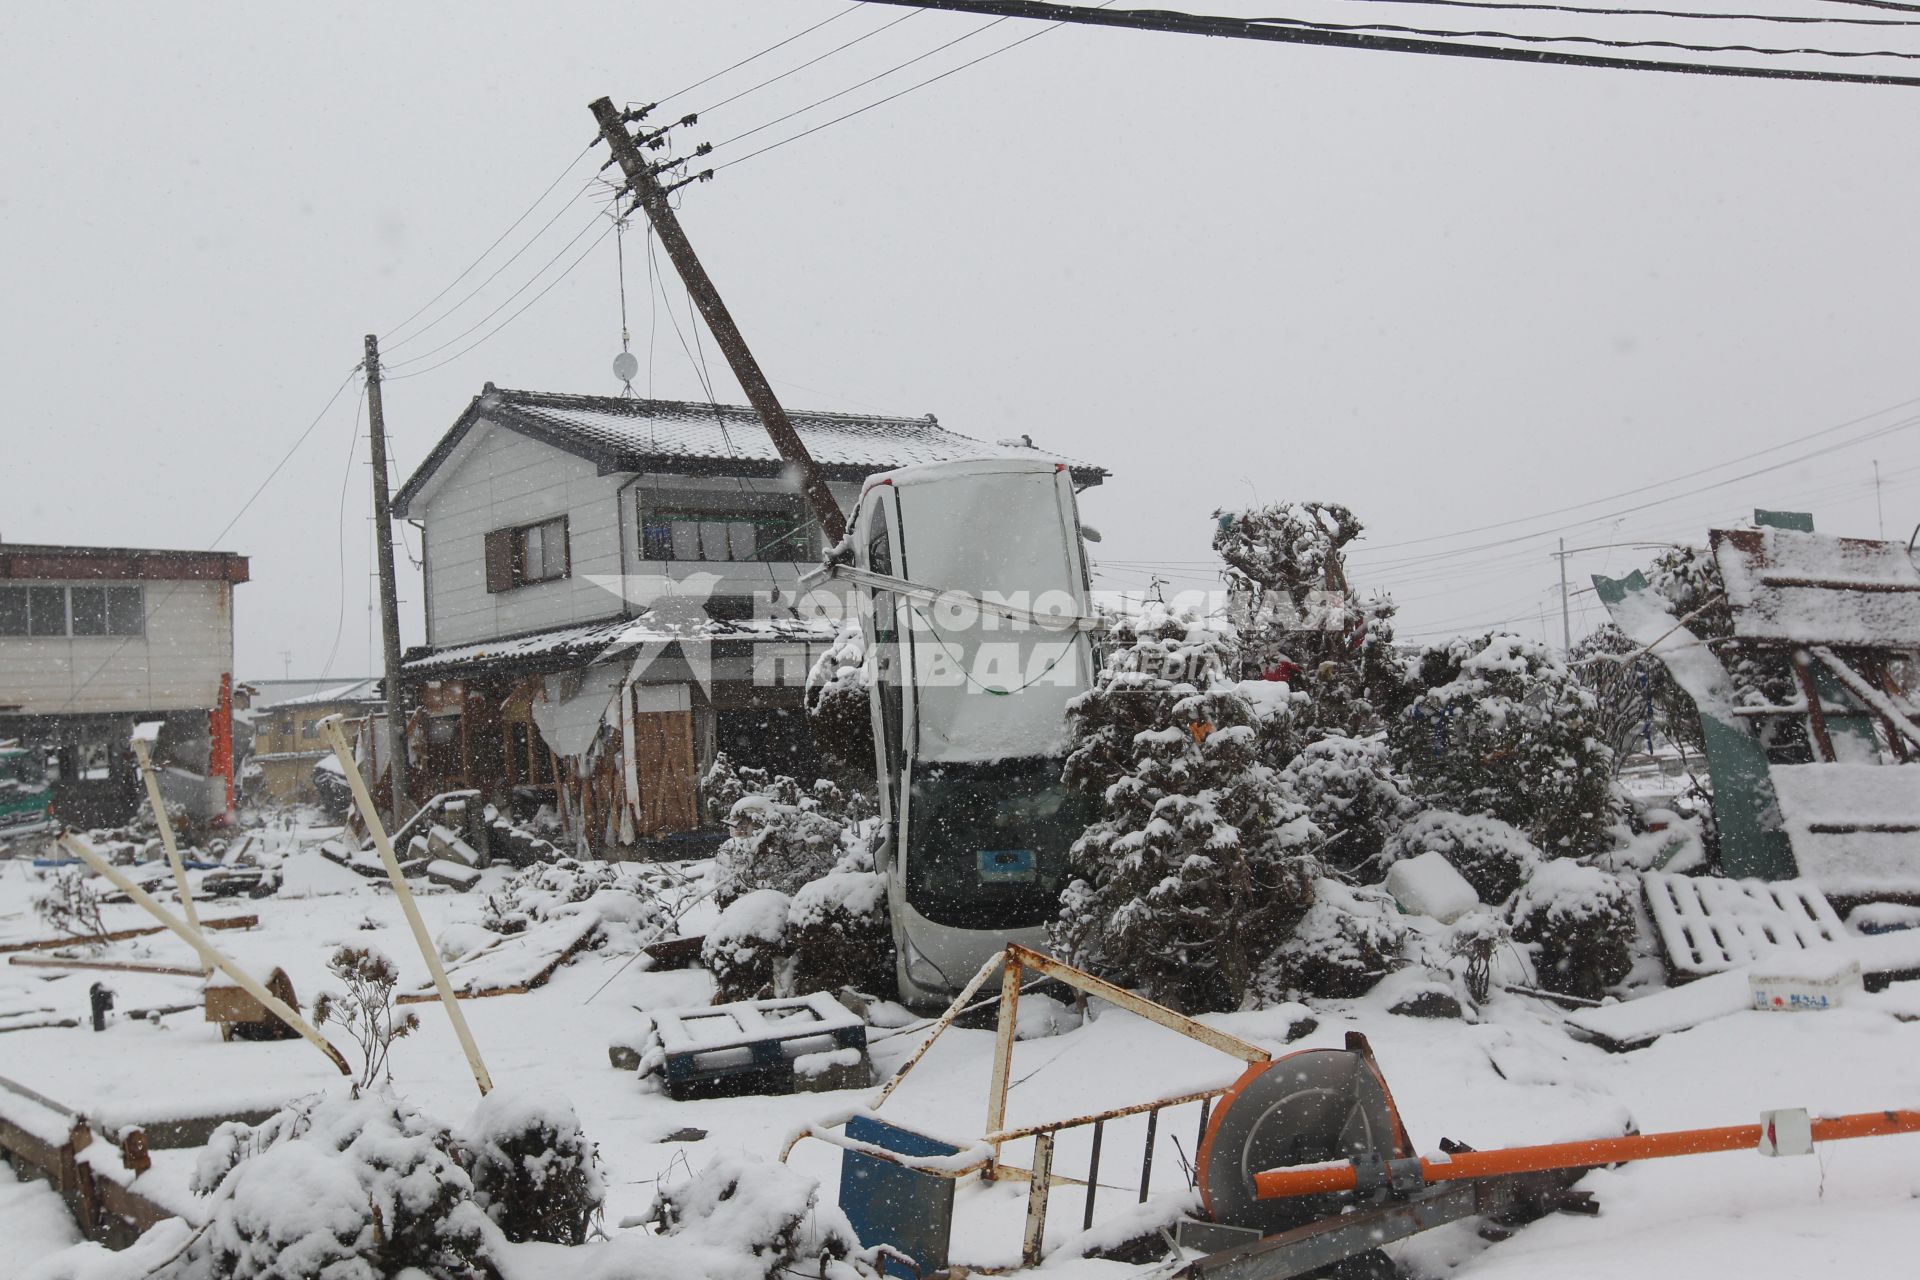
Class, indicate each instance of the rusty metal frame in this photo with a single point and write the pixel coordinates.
(1013, 964)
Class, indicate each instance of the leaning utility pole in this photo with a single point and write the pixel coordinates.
(643, 180)
(389, 601)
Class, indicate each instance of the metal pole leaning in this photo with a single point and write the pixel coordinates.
(331, 727)
(208, 955)
(144, 755)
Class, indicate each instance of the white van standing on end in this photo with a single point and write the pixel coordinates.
(974, 604)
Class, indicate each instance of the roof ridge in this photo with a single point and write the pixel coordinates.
(636, 406)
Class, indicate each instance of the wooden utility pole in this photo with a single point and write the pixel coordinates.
(1566, 614)
(644, 182)
(389, 601)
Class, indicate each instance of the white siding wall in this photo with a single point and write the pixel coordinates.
(497, 479)
(175, 666)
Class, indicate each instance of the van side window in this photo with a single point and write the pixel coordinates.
(879, 549)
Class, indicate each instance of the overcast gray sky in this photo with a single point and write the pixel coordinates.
(1448, 293)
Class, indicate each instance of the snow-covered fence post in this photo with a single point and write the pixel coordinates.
(208, 955)
(142, 752)
(331, 727)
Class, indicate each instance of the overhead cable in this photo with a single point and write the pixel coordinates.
(1176, 22)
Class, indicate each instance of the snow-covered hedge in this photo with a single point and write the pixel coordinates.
(1352, 794)
(840, 935)
(747, 946)
(335, 1189)
(1580, 920)
(1501, 727)
(1349, 939)
(534, 1172)
(1494, 857)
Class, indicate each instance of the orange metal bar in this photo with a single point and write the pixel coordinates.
(1317, 1179)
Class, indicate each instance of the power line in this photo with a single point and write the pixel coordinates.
(1640, 13)
(213, 543)
(558, 178)
(1683, 46)
(763, 53)
(591, 222)
(1645, 488)
(1176, 22)
(558, 214)
(913, 13)
(524, 306)
(890, 97)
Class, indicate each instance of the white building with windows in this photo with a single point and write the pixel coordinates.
(609, 585)
(94, 640)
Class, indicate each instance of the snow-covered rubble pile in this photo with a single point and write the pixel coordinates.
(624, 896)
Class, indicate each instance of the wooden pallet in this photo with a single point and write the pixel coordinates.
(1709, 925)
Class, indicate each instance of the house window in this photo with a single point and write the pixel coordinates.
(768, 528)
(13, 611)
(79, 611)
(47, 611)
(527, 554)
(126, 611)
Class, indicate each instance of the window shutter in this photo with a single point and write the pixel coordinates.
(500, 560)
(566, 549)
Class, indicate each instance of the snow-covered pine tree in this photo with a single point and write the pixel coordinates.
(1501, 727)
(1199, 867)
(1299, 618)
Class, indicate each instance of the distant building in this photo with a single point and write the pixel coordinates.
(609, 585)
(287, 742)
(94, 640)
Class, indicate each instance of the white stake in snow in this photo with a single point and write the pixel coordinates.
(197, 940)
(142, 751)
(344, 753)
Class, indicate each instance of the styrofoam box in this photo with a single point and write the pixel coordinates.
(1795, 984)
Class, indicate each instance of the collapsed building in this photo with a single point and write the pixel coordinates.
(1803, 668)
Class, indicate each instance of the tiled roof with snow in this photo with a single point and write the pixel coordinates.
(1811, 588)
(592, 641)
(366, 690)
(632, 434)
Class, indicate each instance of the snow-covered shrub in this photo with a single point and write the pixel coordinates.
(534, 1172)
(1494, 857)
(1199, 865)
(1580, 920)
(1352, 794)
(335, 1189)
(70, 904)
(767, 1215)
(836, 697)
(1501, 727)
(365, 1009)
(783, 834)
(1299, 619)
(1349, 939)
(619, 892)
(747, 946)
(839, 934)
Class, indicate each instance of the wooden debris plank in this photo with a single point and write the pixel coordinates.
(1709, 925)
(121, 935)
(116, 966)
(515, 964)
(675, 953)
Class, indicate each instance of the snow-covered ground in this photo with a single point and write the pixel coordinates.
(1515, 1076)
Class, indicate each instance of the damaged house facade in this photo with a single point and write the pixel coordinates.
(612, 597)
(94, 640)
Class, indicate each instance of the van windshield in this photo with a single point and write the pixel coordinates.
(988, 843)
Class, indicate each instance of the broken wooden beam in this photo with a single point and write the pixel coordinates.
(121, 935)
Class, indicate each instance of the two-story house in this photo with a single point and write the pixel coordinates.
(287, 742)
(611, 598)
(94, 640)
